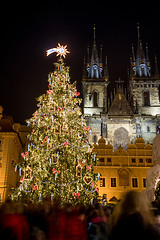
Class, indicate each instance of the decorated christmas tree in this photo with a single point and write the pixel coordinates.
(58, 163)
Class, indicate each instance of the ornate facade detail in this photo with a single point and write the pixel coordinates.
(122, 115)
(140, 64)
(122, 170)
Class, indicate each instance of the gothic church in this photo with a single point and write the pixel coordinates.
(126, 114)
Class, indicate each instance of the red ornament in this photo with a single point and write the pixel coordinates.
(76, 94)
(66, 143)
(87, 128)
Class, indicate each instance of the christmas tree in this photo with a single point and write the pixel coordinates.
(58, 163)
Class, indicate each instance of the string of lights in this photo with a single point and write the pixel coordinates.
(66, 142)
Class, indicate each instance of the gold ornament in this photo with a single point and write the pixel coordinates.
(79, 171)
(87, 180)
(82, 162)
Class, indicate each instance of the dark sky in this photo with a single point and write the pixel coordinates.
(27, 31)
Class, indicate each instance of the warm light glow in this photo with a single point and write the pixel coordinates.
(58, 163)
(60, 50)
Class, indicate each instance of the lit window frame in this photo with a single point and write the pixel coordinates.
(102, 182)
(135, 182)
(113, 182)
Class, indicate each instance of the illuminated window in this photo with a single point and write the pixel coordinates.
(95, 99)
(148, 160)
(144, 182)
(113, 182)
(133, 160)
(140, 160)
(134, 182)
(102, 182)
(101, 159)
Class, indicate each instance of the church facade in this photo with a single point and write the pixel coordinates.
(124, 115)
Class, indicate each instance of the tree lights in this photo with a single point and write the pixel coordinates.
(58, 163)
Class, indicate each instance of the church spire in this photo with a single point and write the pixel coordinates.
(131, 68)
(95, 70)
(140, 53)
(101, 54)
(140, 64)
(94, 55)
(88, 54)
(147, 61)
(94, 32)
(139, 43)
(133, 55)
(147, 55)
(94, 63)
(138, 31)
(101, 63)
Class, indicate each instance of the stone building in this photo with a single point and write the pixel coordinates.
(122, 170)
(12, 143)
(121, 116)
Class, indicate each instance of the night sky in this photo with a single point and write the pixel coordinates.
(27, 31)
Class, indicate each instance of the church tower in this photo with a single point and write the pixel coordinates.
(95, 82)
(124, 117)
(144, 86)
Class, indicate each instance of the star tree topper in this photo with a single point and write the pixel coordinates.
(60, 50)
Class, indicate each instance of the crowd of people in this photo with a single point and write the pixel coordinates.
(131, 218)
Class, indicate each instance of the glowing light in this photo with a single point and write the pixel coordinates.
(60, 50)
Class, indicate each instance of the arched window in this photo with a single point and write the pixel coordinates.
(146, 99)
(95, 98)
